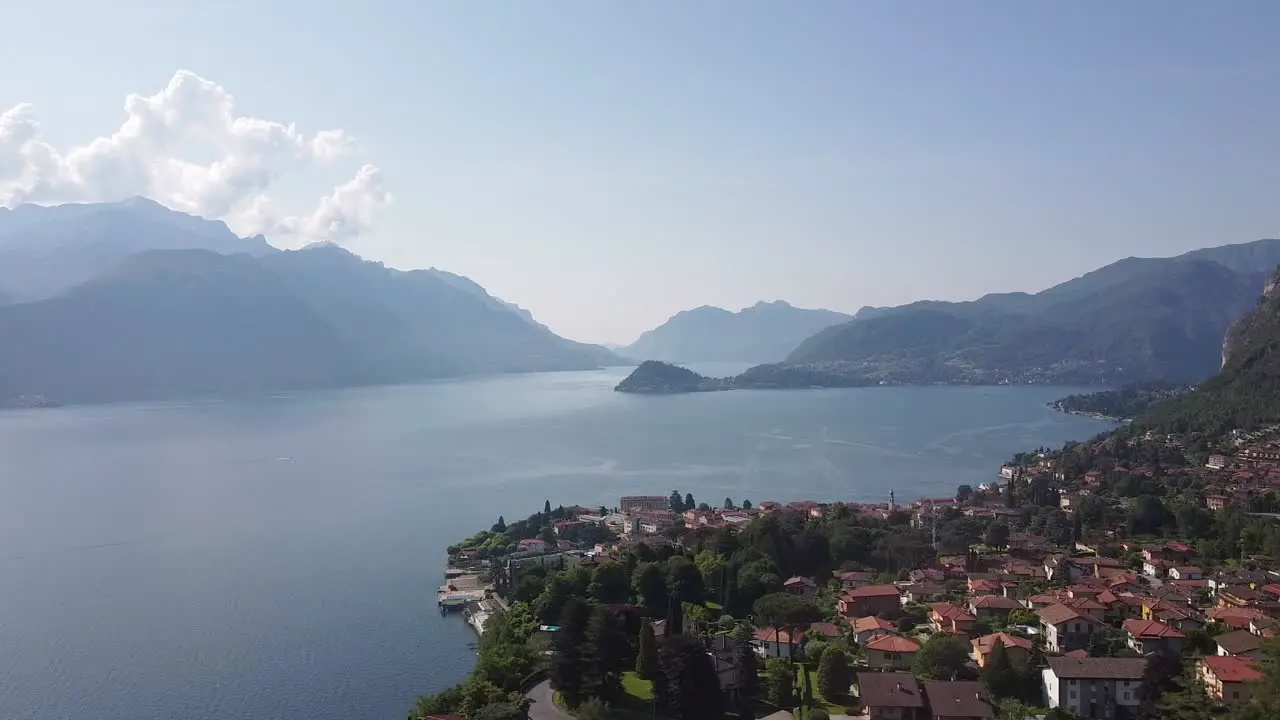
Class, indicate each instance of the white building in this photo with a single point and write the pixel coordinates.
(1093, 688)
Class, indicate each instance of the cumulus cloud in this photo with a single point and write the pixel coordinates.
(186, 147)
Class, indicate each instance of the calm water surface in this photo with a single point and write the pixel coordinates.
(278, 558)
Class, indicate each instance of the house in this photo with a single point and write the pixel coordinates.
(958, 700)
(891, 651)
(774, 643)
(982, 586)
(1018, 649)
(725, 654)
(825, 630)
(1239, 643)
(1095, 688)
(801, 586)
(1065, 629)
(865, 628)
(1228, 679)
(1150, 636)
(891, 696)
(853, 578)
(1234, 617)
(882, 600)
(923, 592)
(1217, 462)
(1153, 568)
(993, 606)
(950, 619)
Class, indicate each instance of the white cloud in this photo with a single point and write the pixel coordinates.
(186, 147)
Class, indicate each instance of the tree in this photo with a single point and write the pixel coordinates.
(684, 581)
(675, 616)
(941, 658)
(997, 535)
(647, 655)
(611, 648)
(650, 586)
(546, 507)
(689, 504)
(500, 526)
(688, 688)
(834, 674)
(748, 670)
(728, 503)
(781, 681)
(528, 588)
(573, 665)
(593, 709)
(1001, 678)
(814, 649)
(677, 504)
(711, 566)
(610, 583)
(1161, 677)
(502, 711)
(746, 504)
(963, 492)
(549, 605)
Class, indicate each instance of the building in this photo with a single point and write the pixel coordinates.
(1151, 636)
(865, 628)
(1240, 643)
(801, 586)
(891, 651)
(774, 643)
(632, 503)
(958, 700)
(1065, 629)
(1217, 462)
(1186, 572)
(950, 619)
(1018, 649)
(882, 600)
(1094, 688)
(891, 696)
(993, 606)
(1227, 679)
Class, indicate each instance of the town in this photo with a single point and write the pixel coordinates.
(1129, 576)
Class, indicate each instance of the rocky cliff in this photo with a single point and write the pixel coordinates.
(1241, 331)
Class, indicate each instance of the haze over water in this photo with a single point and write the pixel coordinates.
(278, 558)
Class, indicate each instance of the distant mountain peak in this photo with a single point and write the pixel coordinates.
(763, 332)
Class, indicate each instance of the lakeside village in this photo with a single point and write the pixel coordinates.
(1125, 577)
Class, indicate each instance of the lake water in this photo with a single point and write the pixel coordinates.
(278, 558)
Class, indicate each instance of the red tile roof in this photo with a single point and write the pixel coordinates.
(996, 602)
(893, 643)
(1231, 669)
(868, 623)
(873, 591)
(1151, 629)
(987, 643)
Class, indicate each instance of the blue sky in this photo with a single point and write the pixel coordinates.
(609, 164)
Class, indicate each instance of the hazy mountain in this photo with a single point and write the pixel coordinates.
(178, 323)
(1246, 391)
(764, 332)
(603, 355)
(45, 250)
(1136, 319)
(172, 324)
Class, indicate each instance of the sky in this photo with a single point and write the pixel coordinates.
(608, 164)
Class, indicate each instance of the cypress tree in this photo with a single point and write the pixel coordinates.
(647, 656)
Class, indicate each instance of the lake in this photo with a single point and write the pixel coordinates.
(278, 558)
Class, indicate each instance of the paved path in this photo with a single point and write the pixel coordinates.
(544, 707)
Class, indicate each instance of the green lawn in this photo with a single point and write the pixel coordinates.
(832, 708)
(636, 687)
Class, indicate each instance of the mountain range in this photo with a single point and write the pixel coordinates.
(765, 332)
(1245, 394)
(1135, 319)
(132, 301)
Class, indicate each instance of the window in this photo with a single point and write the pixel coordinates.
(1126, 694)
(1073, 693)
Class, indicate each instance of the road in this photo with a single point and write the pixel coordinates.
(544, 707)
